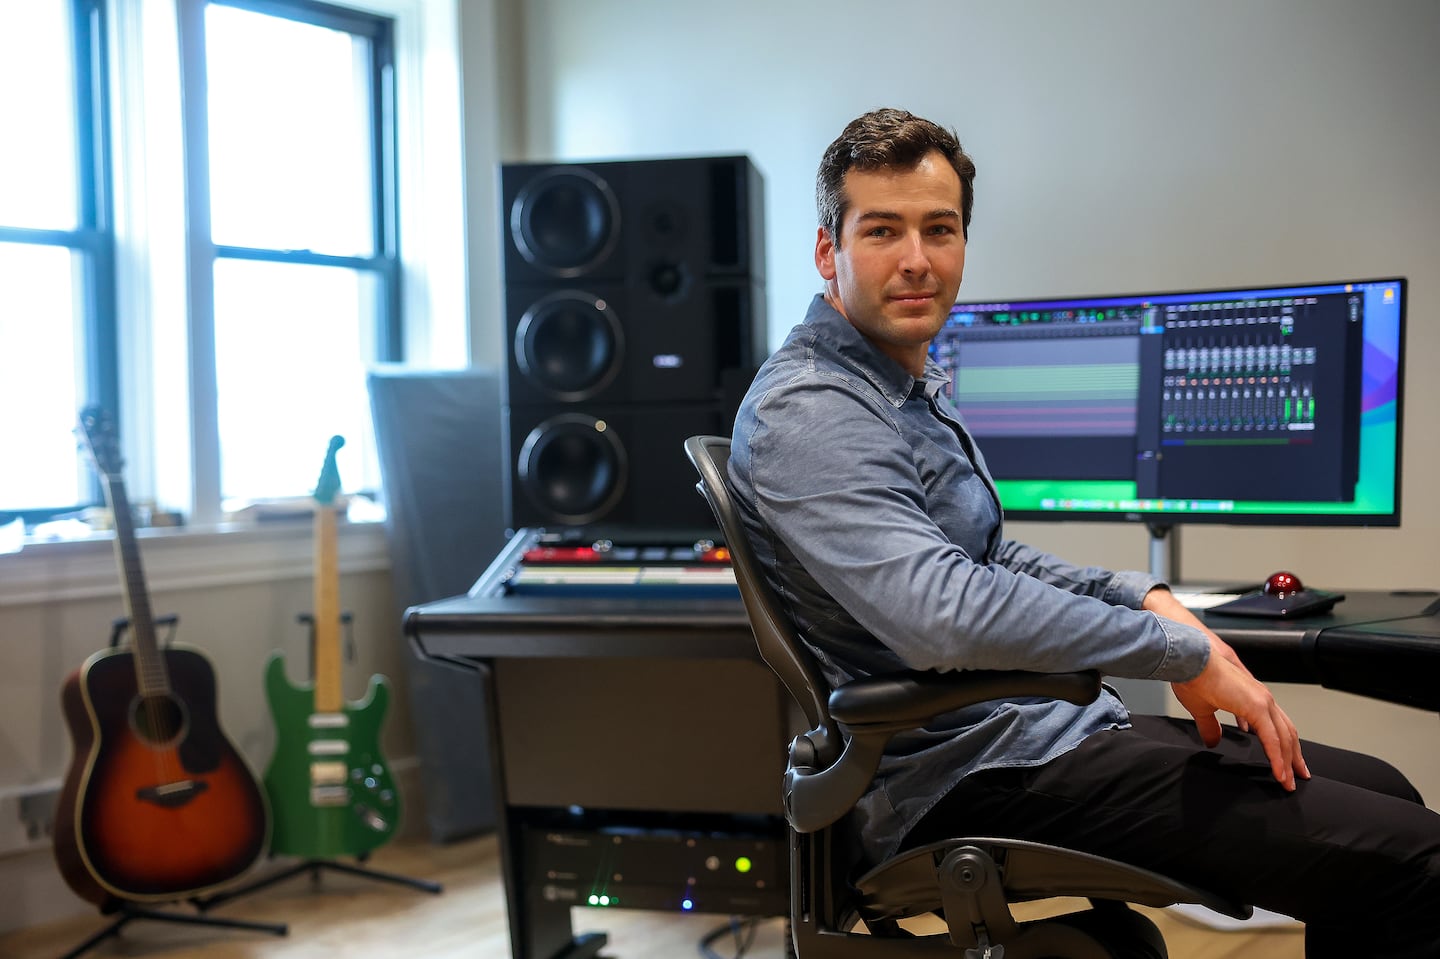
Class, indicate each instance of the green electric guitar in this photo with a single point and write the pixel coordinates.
(331, 793)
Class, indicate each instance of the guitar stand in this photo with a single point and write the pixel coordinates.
(129, 912)
(314, 867)
(118, 627)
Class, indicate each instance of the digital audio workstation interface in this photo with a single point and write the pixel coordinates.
(1275, 404)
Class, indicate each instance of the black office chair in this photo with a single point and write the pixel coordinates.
(971, 881)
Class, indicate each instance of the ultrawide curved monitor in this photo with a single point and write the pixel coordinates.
(1266, 405)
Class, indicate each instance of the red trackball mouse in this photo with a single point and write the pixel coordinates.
(1282, 584)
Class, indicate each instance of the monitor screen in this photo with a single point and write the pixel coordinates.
(1273, 405)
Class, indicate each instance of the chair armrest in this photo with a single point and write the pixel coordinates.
(869, 711)
(908, 700)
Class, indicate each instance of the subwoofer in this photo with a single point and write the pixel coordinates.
(634, 304)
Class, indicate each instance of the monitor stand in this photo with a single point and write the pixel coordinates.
(1164, 552)
(1144, 695)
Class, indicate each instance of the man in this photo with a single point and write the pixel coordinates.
(871, 508)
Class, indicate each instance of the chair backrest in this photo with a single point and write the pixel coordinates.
(780, 645)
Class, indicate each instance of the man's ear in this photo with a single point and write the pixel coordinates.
(824, 253)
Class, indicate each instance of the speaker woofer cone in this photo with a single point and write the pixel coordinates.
(573, 467)
(565, 221)
(570, 344)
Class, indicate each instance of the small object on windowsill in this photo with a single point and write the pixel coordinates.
(12, 536)
(168, 518)
(282, 509)
(61, 530)
(98, 518)
(364, 509)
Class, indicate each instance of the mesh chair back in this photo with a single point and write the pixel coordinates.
(780, 646)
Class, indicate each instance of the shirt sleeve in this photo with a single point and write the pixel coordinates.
(1123, 588)
(836, 483)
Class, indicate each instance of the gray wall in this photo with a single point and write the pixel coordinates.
(1122, 146)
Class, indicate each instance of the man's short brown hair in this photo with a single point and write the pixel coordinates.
(881, 139)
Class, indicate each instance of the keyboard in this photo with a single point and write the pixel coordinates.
(1193, 599)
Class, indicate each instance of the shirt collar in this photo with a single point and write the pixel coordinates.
(852, 348)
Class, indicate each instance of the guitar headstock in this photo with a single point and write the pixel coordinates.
(98, 438)
(329, 483)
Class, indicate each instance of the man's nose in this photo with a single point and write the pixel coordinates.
(913, 257)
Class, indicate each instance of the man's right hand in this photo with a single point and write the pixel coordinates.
(1226, 685)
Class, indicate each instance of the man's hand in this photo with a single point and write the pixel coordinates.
(1225, 684)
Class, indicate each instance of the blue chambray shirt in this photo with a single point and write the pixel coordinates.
(870, 507)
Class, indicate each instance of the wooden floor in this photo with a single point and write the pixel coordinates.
(342, 915)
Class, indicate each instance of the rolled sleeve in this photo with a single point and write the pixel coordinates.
(1187, 652)
(1129, 588)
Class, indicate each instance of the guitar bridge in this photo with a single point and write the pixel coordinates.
(172, 795)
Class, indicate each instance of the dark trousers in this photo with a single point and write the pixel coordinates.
(1353, 853)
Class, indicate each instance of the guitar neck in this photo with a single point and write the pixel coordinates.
(150, 665)
(328, 692)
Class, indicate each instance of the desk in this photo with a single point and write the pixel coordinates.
(624, 735)
(1384, 645)
(579, 719)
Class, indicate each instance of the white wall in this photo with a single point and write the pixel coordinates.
(1122, 145)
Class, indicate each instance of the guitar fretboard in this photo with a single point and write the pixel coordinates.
(150, 665)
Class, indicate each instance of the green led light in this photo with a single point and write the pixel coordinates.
(604, 900)
(743, 864)
(594, 900)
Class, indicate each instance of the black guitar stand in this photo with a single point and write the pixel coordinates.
(315, 866)
(128, 912)
(118, 627)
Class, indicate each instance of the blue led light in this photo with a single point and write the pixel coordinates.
(687, 904)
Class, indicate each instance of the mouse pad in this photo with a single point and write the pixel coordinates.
(1306, 602)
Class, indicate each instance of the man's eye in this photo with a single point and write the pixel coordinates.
(941, 229)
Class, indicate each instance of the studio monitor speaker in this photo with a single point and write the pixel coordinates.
(634, 304)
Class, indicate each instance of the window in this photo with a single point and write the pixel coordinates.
(201, 211)
(302, 196)
(56, 250)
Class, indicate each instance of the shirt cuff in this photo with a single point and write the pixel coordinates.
(1128, 588)
(1187, 652)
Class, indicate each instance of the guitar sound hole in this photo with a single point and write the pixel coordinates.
(158, 719)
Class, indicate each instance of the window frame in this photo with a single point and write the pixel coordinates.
(384, 263)
(160, 348)
(93, 237)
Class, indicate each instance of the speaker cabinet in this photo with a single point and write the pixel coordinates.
(634, 300)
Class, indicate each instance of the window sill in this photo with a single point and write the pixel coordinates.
(184, 558)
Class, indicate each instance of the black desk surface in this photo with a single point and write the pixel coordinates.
(1375, 643)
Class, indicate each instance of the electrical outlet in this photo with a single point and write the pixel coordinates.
(27, 816)
(37, 812)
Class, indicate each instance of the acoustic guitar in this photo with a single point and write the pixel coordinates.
(157, 804)
(330, 789)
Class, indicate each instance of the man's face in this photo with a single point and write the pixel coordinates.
(897, 269)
